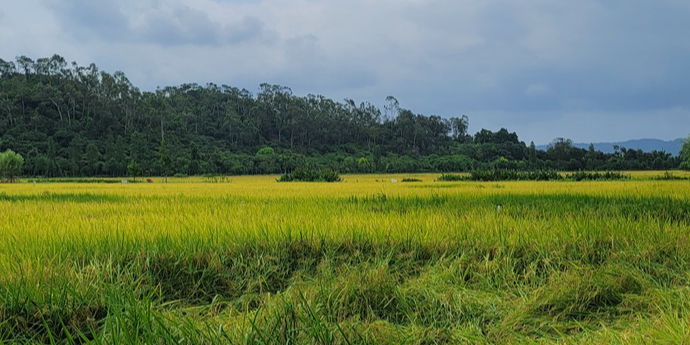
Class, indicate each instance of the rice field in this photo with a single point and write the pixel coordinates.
(365, 261)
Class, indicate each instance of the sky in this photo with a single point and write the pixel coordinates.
(588, 70)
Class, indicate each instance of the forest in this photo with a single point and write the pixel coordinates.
(69, 120)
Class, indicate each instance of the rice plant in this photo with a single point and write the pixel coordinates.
(363, 262)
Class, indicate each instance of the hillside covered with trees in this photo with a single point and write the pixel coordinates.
(72, 120)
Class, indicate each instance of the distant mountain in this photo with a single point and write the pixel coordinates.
(647, 145)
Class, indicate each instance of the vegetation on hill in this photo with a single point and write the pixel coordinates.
(69, 120)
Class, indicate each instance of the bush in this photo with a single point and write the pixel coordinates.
(533, 175)
(311, 175)
(494, 175)
(505, 175)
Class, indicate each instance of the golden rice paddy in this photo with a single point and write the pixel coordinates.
(369, 260)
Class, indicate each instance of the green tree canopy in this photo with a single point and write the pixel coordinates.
(685, 155)
(11, 165)
(134, 170)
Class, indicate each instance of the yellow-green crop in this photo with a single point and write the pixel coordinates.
(368, 260)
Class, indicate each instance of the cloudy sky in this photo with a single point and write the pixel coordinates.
(590, 70)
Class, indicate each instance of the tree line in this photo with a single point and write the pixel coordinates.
(72, 120)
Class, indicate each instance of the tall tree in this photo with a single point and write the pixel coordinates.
(93, 158)
(685, 154)
(164, 159)
(458, 127)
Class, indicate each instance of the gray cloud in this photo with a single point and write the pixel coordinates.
(538, 67)
(158, 23)
(588, 126)
(180, 25)
(249, 28)
(98, 19)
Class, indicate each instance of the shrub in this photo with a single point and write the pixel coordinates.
(543, 175)
(311, 175)
(494, 175)
(532, 175)
(505, 175)
(451, 177)
(597, 176)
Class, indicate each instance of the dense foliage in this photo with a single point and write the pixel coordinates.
(71, 120)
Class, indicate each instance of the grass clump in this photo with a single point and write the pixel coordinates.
(411, 179)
